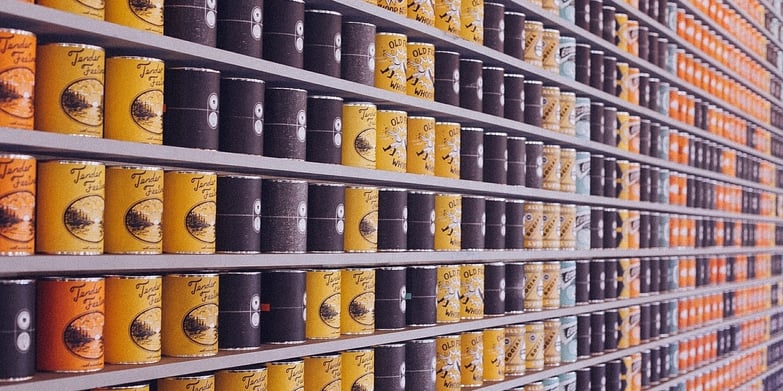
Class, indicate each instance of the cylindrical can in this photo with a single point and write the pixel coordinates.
(551, 282)
(190, 322)
(515, 287)
(534, 346)
(473, 222)
(420, 364)
(610, 275)
(448, 293)
(424, 13)
(629, 327)
(324, 137)
(390, 298)
(148, 18)
(495, 157)
(284, 36)
(389, 368)
(534, 225)
(69, 94)
(192, 107)
(471, 358)
(283, 216)
(495, 288)
(132, 329)
(421, 145)
(597, 283)
(392, 219)
(534, 109)
(566, 58)
(238, 214)
(583, 340)
(550, 52)
(494, 25)
(239, 26)
(550, 106)
(322, 372)
(568, 342)
(534, 165)
(447, 149)
(357, 367)
(471, 292)
(583, 61)
(447, 77)
(181, 383)
(551, 223)
(283, 297)
(239, 312)
(241, 379)
(322, 52)
(391, 140)
(515, 350)
(18, 69)
(18, 189)
(471, 153)
(242, 115)
(597, 332)
(534, 43)
(567, 283)
(610, 126)
(551, 167)
(514, 97)
(516, 161)
(471, 16)
(628, 278)
(471, 82)
(494, 354)
(357, 58)
(421, 286)
(359, 132)
(421, 69)
(133, 387)
(611, 330)
(447, 16)
(190, 217)
(18, 329)
(134, 99)
(421, 220)
(361, 219)
(357, 308)
(552, 343)
(325, 217)
(195, 22)
(285, 123)
(70, 207)
(448, 217)
(323, 290)
(534, 286)
(390, 61)
(583, 173)
(567, 113)
(515, 224)
(568, 170)
(582, 281)
(285, 375)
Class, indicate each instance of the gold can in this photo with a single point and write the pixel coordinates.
(17, 75)
(391, 140)
(90, 8)
(147, 16)
(628, 278)
(551, 42)
(551, 167)
(134, 210)
(627, 34)
(551, 6)
(494, 354)
(567, 226)
(534, 286)
(552, 342)
(391, 58)
(631, 373)
(447, 145)
(187, 383)
(361, 219)
(359, 133)
(190, 318)
(568, 170)
(630, 176)
(630, 318)
(534, 344)
(568, 113)
(535, 386)
(632, 85)
(448, 217)
(132, 332)
(69, 89)
(620, 20)
(396, 6)
(550, 106)
(285, 375)
(323, 292)
(134, 99)
(630, 229)
(551, 281)
(447, 16)
(421, 142)
(629, 132)
(515, 352)
(17, 200)
(357, 301)
(137, 387)
(471, 358)
(252, 379)
(551, 223)
(534, 224)
(189, 207)
(323, 373)
(423, 12)
(622, 78)
(447, 294)
(69, 207)
(421, 70)
(358, 368)
(472, 21)
(471, 291)
(534, 43)
(71, 311)
(448, 371)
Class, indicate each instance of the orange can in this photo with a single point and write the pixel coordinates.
(72, 310)
(190, 318)
(17, 200)
(134, 210)
(189, 204)
(133, 319)
(17, 74)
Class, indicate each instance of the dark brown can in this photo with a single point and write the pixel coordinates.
(242, 115)
(284, 34)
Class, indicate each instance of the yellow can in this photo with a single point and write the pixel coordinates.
(17, 200)
(190, 318)
(471, 291)
(137, 387)
(17, 74)
(551, 6)
(568, 170)
(552, 342)
(534, 355)
(534, 43)
(132, 331)
(252, 379)
(472, 21)
(630, 175)
(632, 84)
(568, 113)
(357, 303)
(391, 140)
(421, 70)
(323, 373)
(515, 352)
(628, 278)
(620, 21)
(391, 58)
(534, 224)
(494, 354)
(323, 312)
(134, 99)
(551, 222)
(551, 282)
(447, 144)
(69, 89)
(134, 210)
(285, 375)
(448, 371)
(567, 226)
(535, 386)
(396, 6)
(551, 42)
(447, 16)
(630, 229)
(421, 143)
(630, 318)
(551, 167)
(359, 124)
(448, 286)
(629, 32)
(422, 11)
(187, 383)
(361, 219)
(147, 16)
(534, 286)
(472, 358)
(90, 8)
(550, 108)
(358, 367)
(69, 207)
(189, 207)
(448, 217)
(629, 131)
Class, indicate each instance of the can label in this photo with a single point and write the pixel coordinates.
(551, 167)
(132, 331)
(285, 375)
(471, 359)
(423, 12)
(447, 14)
(472, 21)
(628, 129)
(134, 99)
(447, 147)
(361, 219)
(568, 170)
(241, 379)
(515, 352)
(448, 218)
(390, 62)
(185, 383)
(568, 344)
(189, 199)
(567, 113)
(628, 278)
(146, 16)
(17, 204)
(582, 227)
(17, 78)
(549, 56)
(494, 350)
(582, 118)
(582, 173)
(448, 287)
(551, 222)
(357, 308)
(322, 373)
(447, 367)
(534, 43)
(552, 342)
(550, 106)
(534, 286)
(359, 131)
(534, 335)
(391, 137)
(567, 283)
(534, 225)
(134, 210)
(396, 6)
(630, 176)
(421, 142)
(323, 291)
(551, 280)
(421, 69)
(471, 295)
(358, 368)
(567, 57)
(191, 317)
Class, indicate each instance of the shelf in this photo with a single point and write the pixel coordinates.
(769, 371)
(771, 38)
(118, 374)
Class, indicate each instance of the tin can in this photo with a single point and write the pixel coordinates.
(182, 383)
(190, 321)
(323, 289)
(611, 330)
(192, 22)
(534, 286)
(283, 297)
(568, 170)
(357, 57)
(283, 216)
(583, 340)
(515, 287)
(566, 57)
(550, 105)
(471, 84)
(493, 91)
(534, 165)
(389, 368)
(325, 217)
(322, 52)
(551, 167)
(134, 99)
(473, 223)
(132, 329)
(241, 379)
(240, 25)
(629, 327)
(472, 154)
(423, 13)
(149, 18)
(390, 61)
(134, 210)
(285, 123)
(568, 342)
(448, 16)
(447, 149)
(242, 115)
(421, 70)
(420, 364)
(421, 143)
(70, 207)
(17, 75)
(239, 311)
(582, 283)
(628, 278)
(322, 372)
(136, 387)
(534, 110)
(472, 21)
(421, 288)
(357, 308)
(192, 90)
(552, 343)
(534, 346)
(359, 132)
(551, 224)
(515, 224)
(447, 77)
(551, 282)
(535, 386)
(494, 288)
(284, 36)
(549, 54)
(390, 298)
(70, 93)
(448, 217)
(357, 368)
(324, 138)
(285, 375)
(392, 219)
(90, 9)
(514, 97)
(582, 168)
(567, 284)
(471, 359)
(361, 219)
(583, 62)
(534, 225)
(493, 354)
(18, 201)
(597, 67)
(534, 43)
(18, 329)
(516, 161)
(447, 294)
(471, 292)
(190, 205)
(628, 129)
(391, 140)
(421, 220)
(567, 113)
(515, 352)
(494, 25)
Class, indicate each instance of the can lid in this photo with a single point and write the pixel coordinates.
(15, 156)
(391, 345)
(132, 277)
(421, 44)
(325, 97)
(531, 142)
(551, 31)
(514, 75)
(63, 278)
(191, 377)
(395, 189)
(500, 134)
(193, 69)
(428, 267)
(146, 168)
(277, 180)
(286, 89)
(470, 60)
(364, 104)
(359, 23)
(241, 273)
(514, 13)
(392, 111)
(515, 201)
(449, 52)
(534, 23)
(357, 187)
(192, 275)
(327, 184)
(422, 192)
(247, 79)
(534, 82)
(318, 11)
(135, 58)
(286, 362)
(445, 123)
(472, 129)
(17, 281)
(236, 176)
(244, 370)
(391, 268)
(74, 45)
(568, 94)
(191, 172)
(517, 138)
(322, 270)
(383, 33)
(597, 52)
(85, 162)
(494, 69)
(17, 31)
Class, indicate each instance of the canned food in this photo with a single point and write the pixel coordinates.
(18, 73)
(552, 343)
(17, 199)
(183, 383)
(359, 132)
(551, 167)
(448, 217)
(134, 210)
(534, 346)
(391, 139)
(421, 144)
(283, 299)
(447, 294)
(534, 43)
(493, 354)
(471, 295)
(239, 379)
(421, 68)
(534, 286)
(189, 199)
(357, 367)
(322, 372)
(471, 359)
(551, 41)
(285, 375)
(390, 61)
(515, 352)
(361, 219)
(447, 14)
(447, 149)
(550, 105)
(323, 289)
(472, 21)
(132, 330)
(134, 99)
(18, 329)
(357, 308)
(190, 321)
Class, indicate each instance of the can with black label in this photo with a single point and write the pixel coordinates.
(610, 274)
(447, 77)
(240, 310)
(534, 110)
(322, 52)
(495, 160)
(582, 62)
(421, 287)
(583, 335)
(238, 214)
(324, 136)
(472, 154)
(421, 220)
(582, 281)
(357, 60)
(285, 123)
(494, 288)
(284, 36)
(597, 122)
(493, 91)
(420, 361)
(611, 325)
(326, 217)
(597, 280)
(517, 160)
(515, 287)
(597, 334)
(534, 166)
(470, 84)
(195, 22)
(283, 306)
(283, 216)
(473, 222)
(514, 92)
(390, 298)
(242, 115)
(389, 368)
(18, 329)
(192, 97)
(515, 224)
(392, 219)
(514, 42)
(495, 237)
(239, 26)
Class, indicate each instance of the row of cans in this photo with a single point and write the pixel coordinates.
(737, 372)
(624, 374)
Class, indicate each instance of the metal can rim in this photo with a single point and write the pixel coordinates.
(146, 168)
(18, 31)
(85, 162)
(425, 117)
(472, 129)
(470, 60)
(238, 176)
(17, 281)
(325, 97)
(494, 68)
(16, 156)
(132, 277)
(496, 134)
(191, 172)
(248, 79)
(278, 180)
(359, 104)
(135, 58)
(73, 44)
(286, 89)
(192, 275)
(195, 69)
(421, 44)
(322, 11)
(63, 278)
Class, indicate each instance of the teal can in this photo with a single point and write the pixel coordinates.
(663, 98)
(674, 355)
(663, 143)
(671, 16)
(568, 10)
(663, 231)
(582, 115)
(566, 57)
(551, 383)
(582, 163)
(567, 381)
(674, 276)
(568, 331)
(567, 284)
(663, 189)
(582, 227)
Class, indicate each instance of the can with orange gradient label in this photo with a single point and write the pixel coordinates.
(17, 78)
(17, 202)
